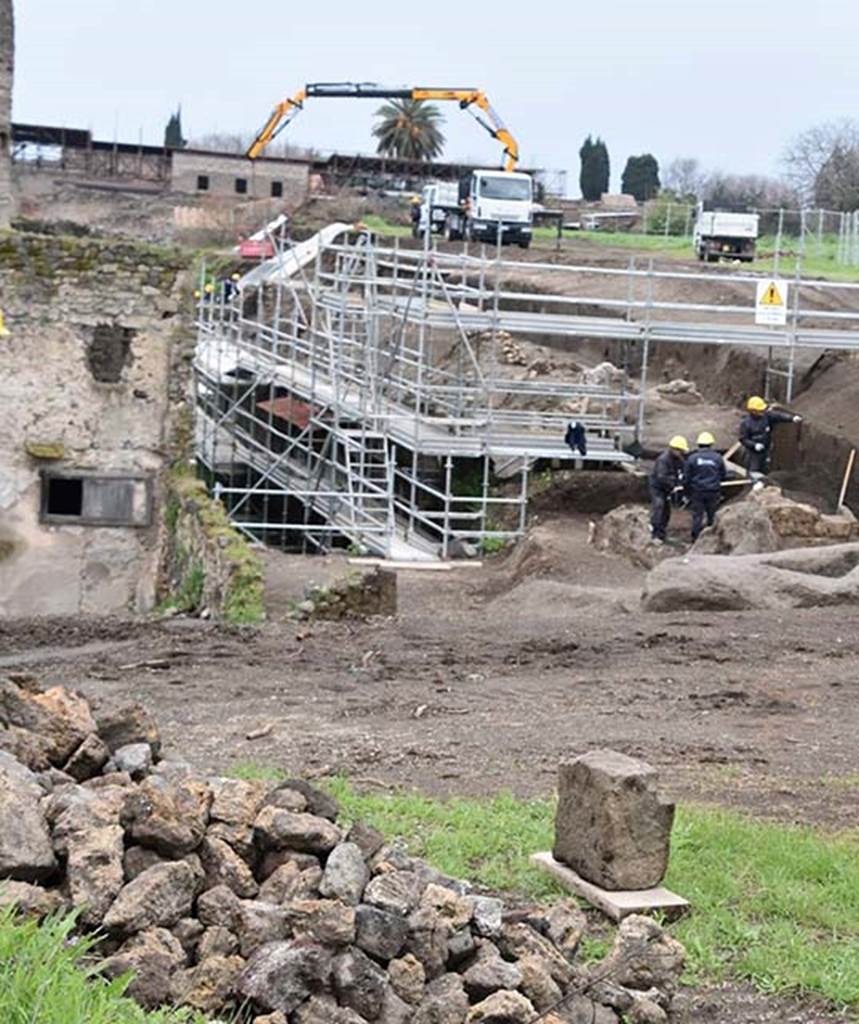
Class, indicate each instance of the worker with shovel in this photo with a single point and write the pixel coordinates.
(666, 481)
(756, 433)
(703, 474)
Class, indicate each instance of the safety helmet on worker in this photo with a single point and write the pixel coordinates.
(679, 443)
(415, 199)
(209, 288)
(705, 439)
(235, 277)
(756, 404)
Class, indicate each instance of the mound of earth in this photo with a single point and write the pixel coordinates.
(626, 531)
(766, 520)
(797, 578)
(556, 600)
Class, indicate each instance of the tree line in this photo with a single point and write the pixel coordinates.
(820, 169)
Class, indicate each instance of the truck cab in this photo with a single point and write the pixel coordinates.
(491, 202)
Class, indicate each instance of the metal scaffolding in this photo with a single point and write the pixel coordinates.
(352, 393)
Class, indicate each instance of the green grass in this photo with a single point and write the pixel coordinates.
(381, 226)
(775, 905)
(44, 980)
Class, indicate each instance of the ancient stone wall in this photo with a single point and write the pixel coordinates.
(208, 564)
(6, 65)
(85, 397)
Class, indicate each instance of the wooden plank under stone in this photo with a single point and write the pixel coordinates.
(616, 905)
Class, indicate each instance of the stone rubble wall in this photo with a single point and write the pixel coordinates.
(209, 567)
(220, 894)
(57, 294)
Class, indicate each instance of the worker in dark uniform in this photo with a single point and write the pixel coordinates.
(756, 433)
(703, 473)
(666, 480)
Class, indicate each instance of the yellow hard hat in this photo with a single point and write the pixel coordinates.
(209, 289)
(235, 277)
(679, 443)
(197, 293)
(756, 404)
(416, 199)
(705, 437)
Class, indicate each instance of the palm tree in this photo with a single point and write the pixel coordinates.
(409, 130)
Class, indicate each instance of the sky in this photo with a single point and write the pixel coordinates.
(727, 81)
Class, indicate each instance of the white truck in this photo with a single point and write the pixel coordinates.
(437, 200)
(484, 203)
(719, 235)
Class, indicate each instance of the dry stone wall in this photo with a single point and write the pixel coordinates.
(86, 390)
(235, 896)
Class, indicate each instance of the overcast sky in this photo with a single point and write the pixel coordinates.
(727, 81)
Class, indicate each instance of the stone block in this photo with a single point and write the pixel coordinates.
(612, 827)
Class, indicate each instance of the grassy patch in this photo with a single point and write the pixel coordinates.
(776, 905)
(43, 980)
(384, 227)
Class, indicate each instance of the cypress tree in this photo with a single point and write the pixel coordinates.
(594, 175)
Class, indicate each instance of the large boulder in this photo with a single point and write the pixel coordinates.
(743, 528)
(380, 933)
(282, 975)
(797, 578)
(210, 985)
(502, 1008)
(346, 874)
(359, 983)
(328, 921)
(26, 852)
(159, 897)
(644, 956)
(223, 866)
(122, 722)
(170, 818)
(626, 531)
(30, 900)
(278, 829)
(62, 719)
(611, 825)
(152, 957)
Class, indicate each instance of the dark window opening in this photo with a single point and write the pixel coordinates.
(241, 186)
(109, 352)
(65, 496)
(94, 500)
(202, 182)
(276, 189)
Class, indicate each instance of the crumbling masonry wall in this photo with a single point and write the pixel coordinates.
(7, 52)
(85, 388)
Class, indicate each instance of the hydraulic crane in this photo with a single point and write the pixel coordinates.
(471, 100)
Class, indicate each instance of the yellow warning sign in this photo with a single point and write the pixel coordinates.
(772, 296)
(771, 302)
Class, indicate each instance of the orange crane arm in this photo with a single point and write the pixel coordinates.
(284, 112)
(279, 118)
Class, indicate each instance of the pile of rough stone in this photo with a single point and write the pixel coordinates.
(229, 895)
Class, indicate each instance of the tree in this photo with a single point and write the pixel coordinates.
(409, 130)
(684, 178)
(595, 172)
(741, 192)
(836, 186)
(173, 138)
(641, 177)
(825, 146)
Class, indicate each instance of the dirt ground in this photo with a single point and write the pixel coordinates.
(487, 678)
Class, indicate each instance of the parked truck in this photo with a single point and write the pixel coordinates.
(490, 202)
(719, 235)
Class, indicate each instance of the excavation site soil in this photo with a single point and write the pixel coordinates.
(487, 677)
